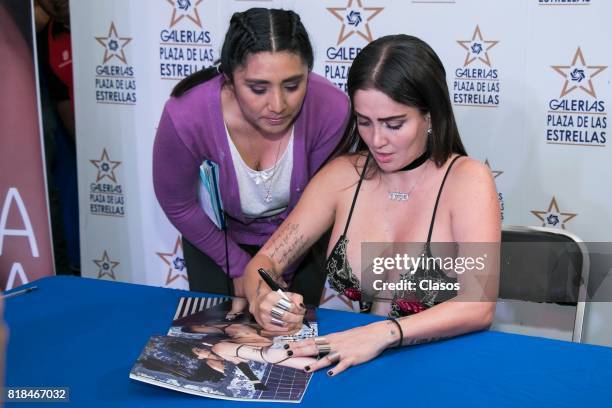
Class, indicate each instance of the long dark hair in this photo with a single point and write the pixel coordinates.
(252, 31)
(408, 71)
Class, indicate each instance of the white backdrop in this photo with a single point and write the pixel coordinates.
(529, 80)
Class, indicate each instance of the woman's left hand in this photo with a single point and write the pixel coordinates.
(348, 348)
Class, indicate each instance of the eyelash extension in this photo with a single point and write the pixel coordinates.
(395, 127)
(387, 125)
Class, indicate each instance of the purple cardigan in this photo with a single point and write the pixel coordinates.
(191, 129)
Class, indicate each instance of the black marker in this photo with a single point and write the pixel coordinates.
(275, 287)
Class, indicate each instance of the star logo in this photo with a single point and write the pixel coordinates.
(113, 45)
(553, 217)
(477, 48)
(185, 9)
(355, 19)
(106, 167)
(175, 262)
(496, 173)
(107, 267)
(578, 75)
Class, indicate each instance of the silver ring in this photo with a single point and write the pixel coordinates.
(277, 322)
(284, 304)
(277, 313)
(320, 340)
(324, 348)
(333, 357)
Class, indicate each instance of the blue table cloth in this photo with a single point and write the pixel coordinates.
(86, 334)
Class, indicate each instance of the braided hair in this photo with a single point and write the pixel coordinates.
(252, 31)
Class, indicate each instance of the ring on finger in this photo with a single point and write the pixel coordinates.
(333, 357)
(277, 313)
(320, 340)
(284, 304)
(276, 321)
(323, 348)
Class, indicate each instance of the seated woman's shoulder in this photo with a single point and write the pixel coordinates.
(343, 170)
(470, 176)
(348, 163)
(468, 168)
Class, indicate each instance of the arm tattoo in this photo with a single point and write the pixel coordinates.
(394, 325)
(414, 342)
(288, 245)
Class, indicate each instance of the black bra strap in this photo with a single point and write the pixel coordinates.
(433, 217)
(348, 220)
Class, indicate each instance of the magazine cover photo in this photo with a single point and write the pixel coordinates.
(212, 351)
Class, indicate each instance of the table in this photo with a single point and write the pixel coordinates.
(86, 334)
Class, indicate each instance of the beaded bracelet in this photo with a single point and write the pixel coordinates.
(401, 332)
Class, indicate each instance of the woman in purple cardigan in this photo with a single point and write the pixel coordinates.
(268, 122)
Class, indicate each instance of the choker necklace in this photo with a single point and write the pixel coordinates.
(416, 162)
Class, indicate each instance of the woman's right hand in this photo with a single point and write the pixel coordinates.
(261, 309)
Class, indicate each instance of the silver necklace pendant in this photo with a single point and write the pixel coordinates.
(398, 196)
(268, 179)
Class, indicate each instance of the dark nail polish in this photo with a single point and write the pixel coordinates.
(286, 347)
(307, 368)
(330, 373)
(290, 353)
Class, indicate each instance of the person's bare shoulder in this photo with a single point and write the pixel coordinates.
(467, 167)
(340, 173)
(474, 204)
(470, 179)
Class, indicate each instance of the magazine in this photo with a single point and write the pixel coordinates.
(214, 352)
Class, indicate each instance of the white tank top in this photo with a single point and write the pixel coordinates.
(263, 193)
